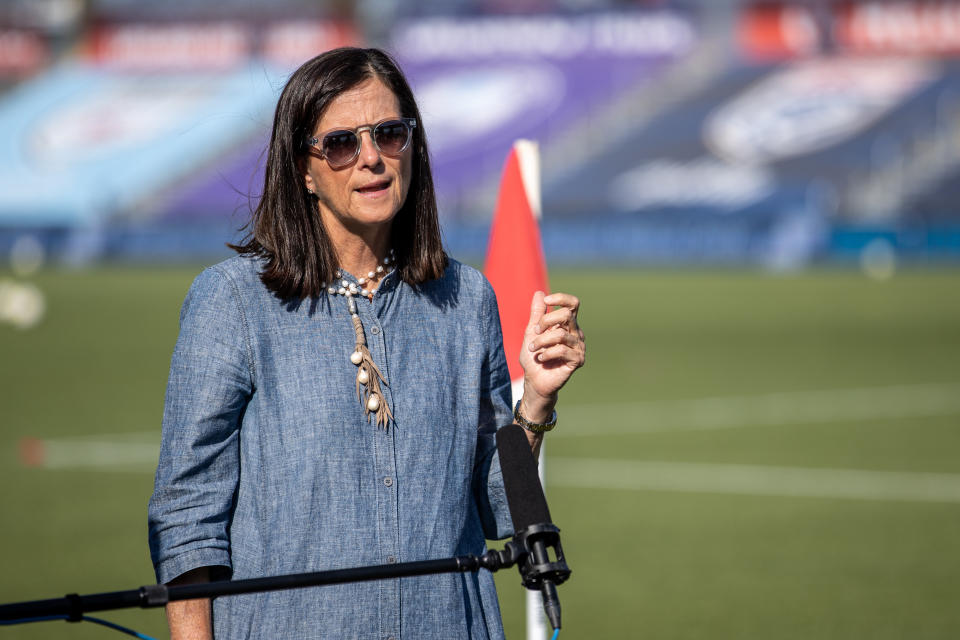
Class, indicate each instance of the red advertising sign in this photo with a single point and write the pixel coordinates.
(171, 46)
(778, 31)
(899, 27)
(292, 43)
(185, 46)
(21, 51)
(784, 30)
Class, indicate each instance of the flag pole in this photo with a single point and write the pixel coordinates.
(530, 172)
(516, 268)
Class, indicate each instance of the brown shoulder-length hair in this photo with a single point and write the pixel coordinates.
(285, 228)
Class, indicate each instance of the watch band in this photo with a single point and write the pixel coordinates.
(535, 427)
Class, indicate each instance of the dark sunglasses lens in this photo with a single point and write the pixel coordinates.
(392, 136)
(339, 147)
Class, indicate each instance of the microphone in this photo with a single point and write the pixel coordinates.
(534, 533)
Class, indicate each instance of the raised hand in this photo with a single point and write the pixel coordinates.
(553, 348)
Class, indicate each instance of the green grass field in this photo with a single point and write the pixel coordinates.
(744, 455)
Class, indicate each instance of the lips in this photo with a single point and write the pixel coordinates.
(374, 187)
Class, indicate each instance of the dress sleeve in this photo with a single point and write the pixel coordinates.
(495, 412)
(211, 380)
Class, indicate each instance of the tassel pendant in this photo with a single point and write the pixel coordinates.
(369, 379)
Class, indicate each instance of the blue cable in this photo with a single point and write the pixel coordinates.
(105, 623)
(556, 632)
(116, 627)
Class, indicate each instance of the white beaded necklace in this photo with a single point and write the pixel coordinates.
(368, 386)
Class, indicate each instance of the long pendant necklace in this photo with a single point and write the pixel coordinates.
(369, 377)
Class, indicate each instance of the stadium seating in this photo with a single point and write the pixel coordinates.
(659, 141)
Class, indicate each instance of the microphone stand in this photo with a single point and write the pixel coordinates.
(73, 606)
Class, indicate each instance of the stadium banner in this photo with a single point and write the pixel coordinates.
(221, 44)
(926, 28)
(484, 82)
(290, 43)
(171, 46)
(772, 31)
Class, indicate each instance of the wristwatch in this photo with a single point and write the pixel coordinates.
(535, 427)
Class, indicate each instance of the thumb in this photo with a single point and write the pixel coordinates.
(537, 308)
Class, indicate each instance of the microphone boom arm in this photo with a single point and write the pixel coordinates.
(517, 550)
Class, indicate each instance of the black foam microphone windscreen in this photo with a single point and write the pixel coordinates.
(525, 497)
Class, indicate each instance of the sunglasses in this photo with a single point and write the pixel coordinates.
(340, 147)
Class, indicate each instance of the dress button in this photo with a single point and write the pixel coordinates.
(388, 481)
(391, 559)
(375, 330)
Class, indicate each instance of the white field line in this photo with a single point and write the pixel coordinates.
(107, 452)
(754, 480)
(139, 451)
(767, 410)
(105, 455)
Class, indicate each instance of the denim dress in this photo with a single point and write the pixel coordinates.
(269, 466)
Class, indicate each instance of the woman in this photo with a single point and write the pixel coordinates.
(335, 388)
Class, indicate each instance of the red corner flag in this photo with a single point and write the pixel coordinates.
(515, 264)
(516, 269)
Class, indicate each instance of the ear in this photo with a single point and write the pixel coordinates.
(302, 166)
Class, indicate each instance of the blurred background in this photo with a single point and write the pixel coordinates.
(756, 202)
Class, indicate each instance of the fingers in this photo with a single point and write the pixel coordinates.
(560, 353)
(562, 300)
(565, 315)
(554, 343)
(554, 336)
(559, 345)
(559, 317)
(537, 309)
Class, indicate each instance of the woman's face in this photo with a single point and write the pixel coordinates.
(365, 195)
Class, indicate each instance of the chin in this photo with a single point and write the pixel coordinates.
(376, 218)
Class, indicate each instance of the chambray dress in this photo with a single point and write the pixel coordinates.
(268, 465)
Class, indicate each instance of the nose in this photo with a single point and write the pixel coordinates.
(369, 153)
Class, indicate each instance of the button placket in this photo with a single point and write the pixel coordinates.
(385, 465)
(377, 346)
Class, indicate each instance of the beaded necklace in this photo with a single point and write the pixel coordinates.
(369, 377)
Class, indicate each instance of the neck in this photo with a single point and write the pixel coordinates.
(361, 257)
(360, 252)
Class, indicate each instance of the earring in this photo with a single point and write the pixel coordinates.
(310, 191)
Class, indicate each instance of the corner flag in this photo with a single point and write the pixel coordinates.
(516, 268)
(515, 265)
